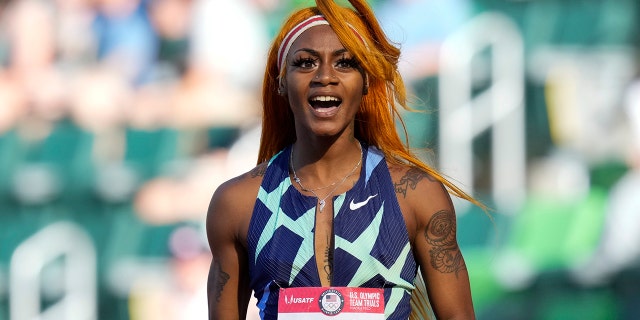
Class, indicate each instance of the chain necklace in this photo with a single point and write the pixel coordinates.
(335, 184)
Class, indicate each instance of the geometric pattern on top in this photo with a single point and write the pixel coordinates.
(372, 247)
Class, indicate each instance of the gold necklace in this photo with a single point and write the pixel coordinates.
(335, 184)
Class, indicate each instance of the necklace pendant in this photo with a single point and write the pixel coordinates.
(322, 203)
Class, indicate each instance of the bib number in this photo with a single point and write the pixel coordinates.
(311, 303)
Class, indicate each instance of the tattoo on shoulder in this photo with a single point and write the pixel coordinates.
(259, 170)
(221, 280)
(441, 234)
(410, 180)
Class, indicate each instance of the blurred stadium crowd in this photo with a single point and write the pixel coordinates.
(119, 118)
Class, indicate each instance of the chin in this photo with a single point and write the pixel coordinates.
(327, 131)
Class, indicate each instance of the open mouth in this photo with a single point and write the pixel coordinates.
(323, 102)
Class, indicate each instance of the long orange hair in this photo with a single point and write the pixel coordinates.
(375, 122)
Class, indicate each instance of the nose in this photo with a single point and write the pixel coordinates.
(325, 75)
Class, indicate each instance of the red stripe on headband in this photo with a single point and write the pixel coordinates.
(290, 36)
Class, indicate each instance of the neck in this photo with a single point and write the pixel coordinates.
(318, 166)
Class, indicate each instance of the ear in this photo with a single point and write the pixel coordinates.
(365, 88)
(282, 88)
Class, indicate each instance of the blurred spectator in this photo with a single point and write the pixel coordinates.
(227, 38)
(202, 100)
(215, 96)
(30, 26)
(151, 106)
(100, 97)
(177, 292)
(125, 37)
(170, 20)
(77, 47)
(99, 100)
(12, 110)
(183, 195)
(32, 73)
(13, 102)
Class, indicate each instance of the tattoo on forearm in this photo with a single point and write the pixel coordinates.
(441, 234)
(221, 279)
(259, 170)
(410, 180)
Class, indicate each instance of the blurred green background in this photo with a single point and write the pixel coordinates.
(119, 118)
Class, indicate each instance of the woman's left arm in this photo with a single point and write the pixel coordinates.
(433, 219)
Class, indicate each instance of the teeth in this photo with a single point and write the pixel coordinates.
(324, 98)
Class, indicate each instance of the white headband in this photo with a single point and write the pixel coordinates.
(301, 27)
(295, 33)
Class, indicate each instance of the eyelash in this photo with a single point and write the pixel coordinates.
(342, 62)
(350, 62)
(301, 61)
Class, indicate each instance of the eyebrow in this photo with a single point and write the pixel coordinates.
(316, 53)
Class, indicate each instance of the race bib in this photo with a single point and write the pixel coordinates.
(331, 303)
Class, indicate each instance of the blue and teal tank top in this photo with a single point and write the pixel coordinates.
(372, 247)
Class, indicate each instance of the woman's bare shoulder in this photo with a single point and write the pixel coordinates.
(242, 187)
(418, 189)
(233, 200)
(409, 179)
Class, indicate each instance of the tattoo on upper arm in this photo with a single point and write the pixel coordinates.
(410, 180)
(221, 279)
(441, 234)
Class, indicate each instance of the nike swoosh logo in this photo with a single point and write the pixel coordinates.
(358, 205)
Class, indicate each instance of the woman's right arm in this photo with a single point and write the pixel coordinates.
(228, 288)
